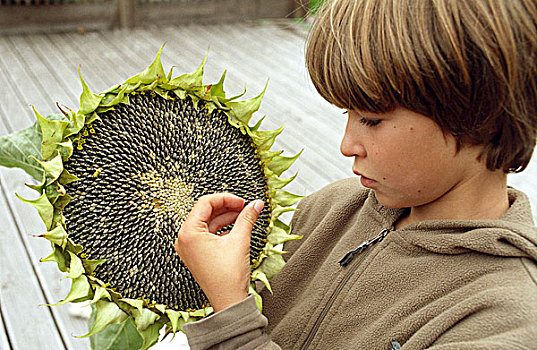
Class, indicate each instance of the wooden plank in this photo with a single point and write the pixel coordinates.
(290, 70)
(98, 78)
(64, 69)
(44, 73)
(22, 293)
(20, 89)
(4, 339)
(54, 286)
(101, 61)
(15, 114)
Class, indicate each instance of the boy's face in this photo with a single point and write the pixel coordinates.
(405, 157)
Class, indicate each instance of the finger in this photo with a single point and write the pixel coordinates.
(222, 221)
(208, 205)
(247, 218)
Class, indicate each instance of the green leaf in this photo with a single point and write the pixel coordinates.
(244, 110)
(280, 235)
(272, 265)
(285, 198)
(226, 100)
(279, 210)
(257, 297)
(150, 334)
(218, 88)
(106, 313)
(66, 177)
(91, 265)
(44, 208)
(52, 132)
(277, 182)
(54, 191)
(77, 123)
(66, 149)
(160, 307)
(143, 318)
(61, 202)
(57, 236)
(57, 256)
(258, 124)
(88, 100)
(16, 150)
(121, 97)
(76, 269)
(190, 80)
(279, 164)
(155, 72)
(80, 290)
(265, 139)
(261, 276)
(177, 319)
(100, 293)
(201, 312)
(137, 303)
(53, 167)
(123, 336)
(268, 156)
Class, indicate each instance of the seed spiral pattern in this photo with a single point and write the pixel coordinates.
(141, 167)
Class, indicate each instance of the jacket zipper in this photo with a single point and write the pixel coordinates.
(343, 262)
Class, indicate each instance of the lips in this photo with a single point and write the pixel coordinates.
(366, 182)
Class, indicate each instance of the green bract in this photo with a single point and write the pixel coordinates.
(118, 177)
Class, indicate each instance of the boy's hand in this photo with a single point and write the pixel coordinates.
(220, 264)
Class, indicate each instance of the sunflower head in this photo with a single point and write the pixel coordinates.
(120, 175)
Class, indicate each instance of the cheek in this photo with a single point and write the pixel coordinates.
(411, 176)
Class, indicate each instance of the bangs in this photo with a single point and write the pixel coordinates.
(364, 55)
(342, 60)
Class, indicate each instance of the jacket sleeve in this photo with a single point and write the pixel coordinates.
(240, 326)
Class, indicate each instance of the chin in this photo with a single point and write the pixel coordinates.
(391, 202)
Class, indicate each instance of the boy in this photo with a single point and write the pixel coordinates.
(435, 252)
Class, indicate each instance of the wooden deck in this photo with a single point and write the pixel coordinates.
(41, 70)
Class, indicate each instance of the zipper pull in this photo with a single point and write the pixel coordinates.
(346, 260)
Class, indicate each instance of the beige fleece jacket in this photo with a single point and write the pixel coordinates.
(436, 284)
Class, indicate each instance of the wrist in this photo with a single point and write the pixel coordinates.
(224, 302)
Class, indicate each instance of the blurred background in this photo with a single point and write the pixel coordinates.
(42, 44)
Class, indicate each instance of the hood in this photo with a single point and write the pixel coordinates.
(513, 235)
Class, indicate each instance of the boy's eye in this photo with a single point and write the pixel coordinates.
(370, 122)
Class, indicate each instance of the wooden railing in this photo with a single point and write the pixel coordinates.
(18, 16)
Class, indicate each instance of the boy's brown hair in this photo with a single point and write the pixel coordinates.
(470, 65)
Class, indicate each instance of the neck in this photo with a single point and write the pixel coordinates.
(482, 196)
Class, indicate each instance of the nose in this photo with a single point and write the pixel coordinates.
(351, 145)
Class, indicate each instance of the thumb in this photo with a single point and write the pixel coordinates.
(247, 218)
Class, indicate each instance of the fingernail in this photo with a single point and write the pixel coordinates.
(258, 206)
